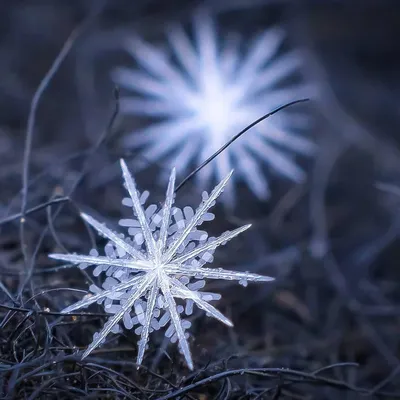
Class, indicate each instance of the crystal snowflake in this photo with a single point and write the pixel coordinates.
(201, 95)
(160, 259)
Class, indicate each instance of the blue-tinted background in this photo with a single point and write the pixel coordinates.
(331, 242)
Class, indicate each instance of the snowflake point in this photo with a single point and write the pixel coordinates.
(86, 217)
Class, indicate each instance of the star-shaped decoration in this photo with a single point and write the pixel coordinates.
(161, 260)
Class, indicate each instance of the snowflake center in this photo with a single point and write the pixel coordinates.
(158, 266)
(216, 109)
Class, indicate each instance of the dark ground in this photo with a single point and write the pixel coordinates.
(332, 243)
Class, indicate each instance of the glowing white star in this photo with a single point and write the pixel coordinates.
(207, 96)
(162, 261)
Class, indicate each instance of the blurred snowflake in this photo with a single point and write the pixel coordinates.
(162, 260)
(201, 96)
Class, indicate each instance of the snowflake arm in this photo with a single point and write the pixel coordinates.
(131, 186)
(109, 325)
(220, 273)
(156, 61)
(146, 327)
(283, 165)
(212, 245)
(203, 208)
(166, 211)
(114, 292)
(183, 50)
(180, 290)
(283, 138)
(176, 321)
(98, 260)
(109, 234)
(252, 173)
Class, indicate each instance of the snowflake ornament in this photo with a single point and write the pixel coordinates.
(160, 260)
(201, 95)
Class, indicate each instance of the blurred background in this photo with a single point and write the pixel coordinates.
(331, 240)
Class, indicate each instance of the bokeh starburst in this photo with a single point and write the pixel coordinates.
(200, 94)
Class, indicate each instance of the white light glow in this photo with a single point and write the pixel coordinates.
(201, 94)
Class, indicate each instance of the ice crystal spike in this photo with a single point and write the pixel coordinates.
(160, 260)
(201, 94)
